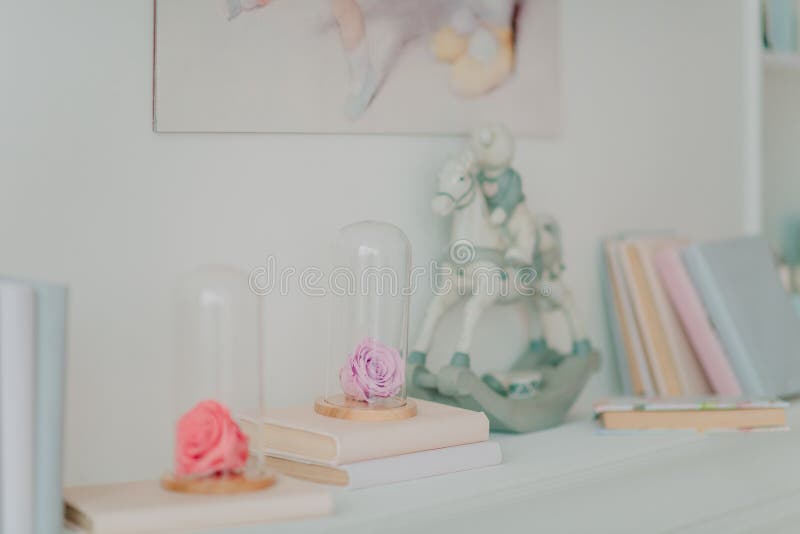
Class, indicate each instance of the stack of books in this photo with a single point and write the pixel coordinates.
(697, 319)
(691, 414)
(440, 439)
(32, 348)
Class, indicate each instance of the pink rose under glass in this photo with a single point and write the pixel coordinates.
(369, 294)
(217, 388)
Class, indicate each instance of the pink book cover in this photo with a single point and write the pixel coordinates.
(690, 371)
(694, 319)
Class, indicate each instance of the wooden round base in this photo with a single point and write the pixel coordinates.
(224, 485)
(344, 408)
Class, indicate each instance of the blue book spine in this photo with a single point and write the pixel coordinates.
(721, 319)
(51, 317)
(48, 427)
(623, 370)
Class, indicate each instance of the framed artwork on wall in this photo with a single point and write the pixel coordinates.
(356, 66)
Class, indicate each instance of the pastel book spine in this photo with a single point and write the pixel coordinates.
(17, 382)
(711, 295)
(51, 317)
(698, 327)
(690, 373)
(614, 319)
(641, 375)
(650, 329)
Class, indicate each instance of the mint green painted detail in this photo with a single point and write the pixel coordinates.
(417, 357)
(582, 347)
(521, 391)
(509, 190)
(460, 359)
(538, 345)
(495, 384)
(545, 408)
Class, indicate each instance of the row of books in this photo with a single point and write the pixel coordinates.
(693, 319)
(32, 347)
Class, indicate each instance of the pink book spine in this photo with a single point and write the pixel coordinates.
(692, 313)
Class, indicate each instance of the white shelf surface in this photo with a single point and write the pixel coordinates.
(782, 62)
(575, 479)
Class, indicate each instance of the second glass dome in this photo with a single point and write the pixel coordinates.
(369, 317)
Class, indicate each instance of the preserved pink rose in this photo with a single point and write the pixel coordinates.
(373, 371)
(209, 442)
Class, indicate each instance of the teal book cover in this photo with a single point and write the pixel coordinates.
(739, 284)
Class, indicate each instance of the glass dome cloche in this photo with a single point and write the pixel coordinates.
(218, 385)
(366, 369)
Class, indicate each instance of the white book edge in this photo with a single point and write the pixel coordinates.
(423, 464)
(145, 508)
(412, 466)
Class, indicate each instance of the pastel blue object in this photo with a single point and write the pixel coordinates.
(740, 287)
(790, 239)
(51, 316)
(781, 25)
(623, 371)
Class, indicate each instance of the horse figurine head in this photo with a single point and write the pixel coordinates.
(457, 186)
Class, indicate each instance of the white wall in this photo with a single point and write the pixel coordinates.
(651, 138)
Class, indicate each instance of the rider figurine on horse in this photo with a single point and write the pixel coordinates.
(501, 185)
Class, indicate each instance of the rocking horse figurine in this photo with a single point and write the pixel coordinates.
(499, 253)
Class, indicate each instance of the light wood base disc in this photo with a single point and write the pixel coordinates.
(224, 485)
(354, 410)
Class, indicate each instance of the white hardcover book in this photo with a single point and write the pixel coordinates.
(402, 468)
(17, 356)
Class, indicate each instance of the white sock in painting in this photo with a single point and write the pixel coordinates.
(358, 59)
(363, 81)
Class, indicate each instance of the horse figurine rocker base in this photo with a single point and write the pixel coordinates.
(500, 253)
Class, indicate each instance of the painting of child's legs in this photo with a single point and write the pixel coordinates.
(378, 66)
